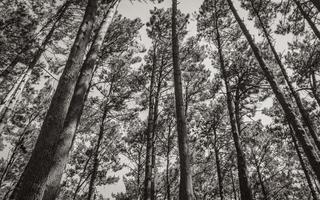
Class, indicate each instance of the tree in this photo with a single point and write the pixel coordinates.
(299, 130)
(185, 189)
(43, 153)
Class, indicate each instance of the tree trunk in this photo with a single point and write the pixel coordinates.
(290, 116)
(245, 190)
(96, 155)
(303, 166)
(185, 187)
(217, 157)
(76, 107)
(148, 162)
(316, 3)
(305, 116)
(33, 180)
(307, 17)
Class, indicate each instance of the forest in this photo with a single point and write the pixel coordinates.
(160, 99)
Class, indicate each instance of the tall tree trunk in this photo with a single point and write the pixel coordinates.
(307, 17)
(32, 182)
(303, 166)
(96, 155)
(11, 99)
(217, 157)
(149, 132)
(76, 106)
(290, 116)
(245, 189)
(316, 3)
(185, 187)
(305, 116)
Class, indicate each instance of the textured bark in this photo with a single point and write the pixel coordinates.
(302, 137)
(13, 96)
(304, 113)
(245, 189)
(96, 155)
(218, 165)
(316, 3)
(76, 106)
(31, 184)
(185, 187)
(148, 162)
(303, 166)
(307, 17)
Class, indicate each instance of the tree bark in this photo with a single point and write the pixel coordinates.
(303, 166)
(32, 182)
(290, 116)
(185, 187)
(305, 116)
(76, 106)
(245, 189)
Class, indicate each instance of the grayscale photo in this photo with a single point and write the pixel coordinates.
(160, 100)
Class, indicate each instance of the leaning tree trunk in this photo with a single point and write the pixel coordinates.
(316, 3)
(32, 182)
(245, 189)
(96, 155)
(185, 187)
(307, 17)
(148, 162)
(302, 137)
(305, 116)
(303, 166)
(76, 107)
(13, 96)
